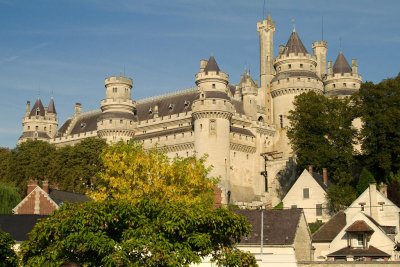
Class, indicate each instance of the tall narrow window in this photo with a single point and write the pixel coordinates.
(281, 120)
(306, 193)
(266, 183)
(318, 208)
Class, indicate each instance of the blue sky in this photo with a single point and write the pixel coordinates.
(66, 48)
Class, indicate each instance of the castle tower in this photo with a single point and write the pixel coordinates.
(296, 74)
(39, 123)
(342, 80)
(117, 121)
(212, 112)
(319, 49)
(266, 30)
(249, 92)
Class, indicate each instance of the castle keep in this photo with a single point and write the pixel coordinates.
(239, 126)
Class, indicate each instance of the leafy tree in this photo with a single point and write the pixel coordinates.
(30, 160)
(8, 258)
(145, 233)
(131, 173)
(366, 178)
(321, 132)
(9, 198)
(380, 110)
(74, 168)
(340, 197)
(393, 189)
(5, 158)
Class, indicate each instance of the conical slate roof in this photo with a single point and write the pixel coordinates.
(294, 45)
(211, 65)
(341, 65)
(247, 77)
(52, 107)
(38, 107)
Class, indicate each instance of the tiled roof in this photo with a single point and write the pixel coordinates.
(211, 65)
(18, 226)
(294, 45)
(371, 251)
(331, 229)
(52, 107)
(38, 106)
(295, 73)
(241, 131)
(32, 134)
(280, 226)
(60, 197)
(63, 129)
(341, 65)
(359, 226)
(86, 122)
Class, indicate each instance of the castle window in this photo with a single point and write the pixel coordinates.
(344, 84)
(29, 127)
(265, 183)
(309, 79)
(354, 85)
(187, 154)
(213, 85)
(201, 126)
(214, 101)
(247, 156)
(121, 121)
(36, 128)
(334, 85)
(110, 121)
(234, 154)
(289, 66)
(114, 89)
(279, 68)
(281, 120)
(298, 79)
(301, 66)
(37, 112)
(287, 79)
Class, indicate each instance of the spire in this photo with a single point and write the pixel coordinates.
(294, 45)
(212, 65)
(37, 109)
(341, 65)
(52, 107)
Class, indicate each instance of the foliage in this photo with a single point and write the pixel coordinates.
(8, 258)
(279, 206)
(122, 233)
(340, 197)
(9, 198)
(366, 178)
(30, 160)
(315, 226)
(379, 106)
(131, 173)
(233, 257)
(321, 132)
(5, 158)
(393, 189)
(74, 168)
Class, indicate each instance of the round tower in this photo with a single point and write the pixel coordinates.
(342, 80)
(211, 114)
(117, 121)
(249, 92)
(319, 49)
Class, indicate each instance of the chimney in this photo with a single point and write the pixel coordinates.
(383, 189)
(31, 186)
(45, 186)
(78, 108)
(28, 107)
(310, 169)
(325, 176)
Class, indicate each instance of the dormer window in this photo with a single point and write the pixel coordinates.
(186, 104)
(150, 111)
(171, 107)
(37, 111)
(83, 125)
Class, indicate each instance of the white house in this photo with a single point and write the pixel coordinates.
(308, 193)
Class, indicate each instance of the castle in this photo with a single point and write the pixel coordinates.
(241, 127)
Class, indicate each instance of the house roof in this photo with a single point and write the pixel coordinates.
(341, 65)
(60, 197)
(280, 226)
(38, 106)
(331, 229)
(294, 45)
(18, 226)
(371, 251)
(359, 226)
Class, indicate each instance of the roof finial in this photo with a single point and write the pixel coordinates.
(322, 28)
(340, 44)
(294, 25)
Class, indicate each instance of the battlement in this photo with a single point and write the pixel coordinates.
(118, 79)
(319, 44)
(220, 75)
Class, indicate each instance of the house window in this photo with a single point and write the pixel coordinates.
(318, 209)
(289, 66)
(306, 193)
(360, 240)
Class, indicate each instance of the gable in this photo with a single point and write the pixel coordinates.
(36, 202)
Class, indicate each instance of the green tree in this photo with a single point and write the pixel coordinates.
(380, 111)
(5, 158)
(340, 197)
(9, 198)
(8, 257)
(321, 132)
(30, 160)
(131, 173)
(74, 168)
(393, 189)
(366, 178)
(145, 233)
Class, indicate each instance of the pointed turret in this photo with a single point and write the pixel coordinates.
(341, 65)
(38, 109)
(51, 108)
(211, 78)
(295, 45)
(212, 65)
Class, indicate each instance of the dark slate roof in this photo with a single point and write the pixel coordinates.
(295, 73)
(359, 226)
(331, 229)
(38, 105)
(320, 180)
(63, 128)
(60, 197)
(371, 251)
(86, 122)
(280, 226)
(117, 115)
(211, 65)
(243, 131)
(341, 65)
(294, 45)
(18, 226)
(389, 230)
(341, 92)
(217, 94)
(31, 134)
(163, 133)
(52, 107)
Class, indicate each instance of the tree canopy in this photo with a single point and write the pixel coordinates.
(131, 173)
(9, 198)
(8, 257)
(145, 233)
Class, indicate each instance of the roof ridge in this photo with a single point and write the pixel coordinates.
(165, 95)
